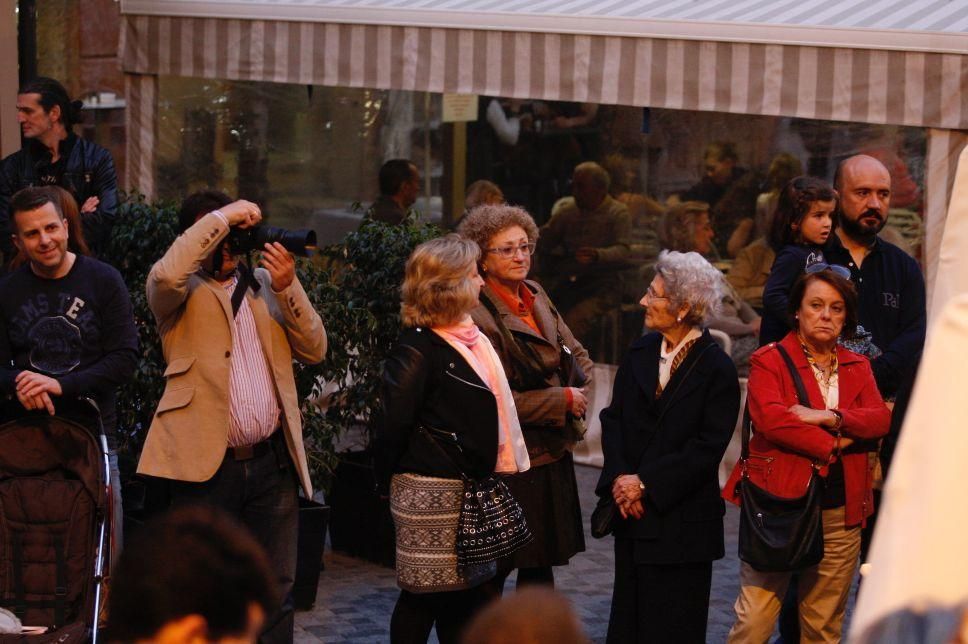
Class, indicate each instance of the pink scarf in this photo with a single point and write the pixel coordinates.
(476, 349)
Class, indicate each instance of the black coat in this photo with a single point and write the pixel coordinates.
(88, 172)
(427, 383)
(679, 460)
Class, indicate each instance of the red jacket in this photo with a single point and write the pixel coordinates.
(784, 449)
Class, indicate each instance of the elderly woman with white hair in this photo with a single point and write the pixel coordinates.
(686, 227)
(673, 410)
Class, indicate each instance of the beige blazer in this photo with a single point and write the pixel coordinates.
(189, 433)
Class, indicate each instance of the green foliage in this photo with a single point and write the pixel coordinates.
(355, 287)
(359, 301)
(141, 235)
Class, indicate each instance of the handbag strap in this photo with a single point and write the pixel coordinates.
(795, 374)
(801, 396)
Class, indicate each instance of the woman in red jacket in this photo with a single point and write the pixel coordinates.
(835, 435)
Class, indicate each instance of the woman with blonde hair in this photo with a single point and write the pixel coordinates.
(447, 414)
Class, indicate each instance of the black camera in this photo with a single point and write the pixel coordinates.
(298, 242)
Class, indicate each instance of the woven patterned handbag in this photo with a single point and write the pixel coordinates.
(492, 522)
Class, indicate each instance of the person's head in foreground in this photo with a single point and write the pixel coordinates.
(529, 616)
(191, 575)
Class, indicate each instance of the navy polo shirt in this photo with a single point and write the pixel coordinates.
(891, 306)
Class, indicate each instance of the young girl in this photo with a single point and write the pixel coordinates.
(804, 221)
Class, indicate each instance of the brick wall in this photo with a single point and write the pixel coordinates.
(77, 43)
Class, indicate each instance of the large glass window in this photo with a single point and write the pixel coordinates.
(657, 157)
(306, 154)
(311, 156)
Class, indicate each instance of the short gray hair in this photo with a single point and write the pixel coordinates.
(691, 281)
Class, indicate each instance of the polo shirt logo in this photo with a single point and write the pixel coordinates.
(892, 300)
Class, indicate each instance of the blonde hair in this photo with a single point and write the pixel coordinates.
(479, 192)
(437, 287)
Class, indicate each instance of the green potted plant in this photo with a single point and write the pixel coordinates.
(365, 272)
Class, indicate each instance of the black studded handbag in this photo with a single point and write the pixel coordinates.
(492, 522)
(778, 534)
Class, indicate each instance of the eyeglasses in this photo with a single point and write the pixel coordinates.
(507, 252)
(652, 295)
(843, 271)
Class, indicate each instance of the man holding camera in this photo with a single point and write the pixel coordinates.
(227, 430)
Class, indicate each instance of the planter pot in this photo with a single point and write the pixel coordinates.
(313, 518)
(360, 524)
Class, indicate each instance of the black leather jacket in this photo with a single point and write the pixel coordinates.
(428, 384)
(88, 172)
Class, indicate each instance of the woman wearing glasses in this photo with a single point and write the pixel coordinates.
(533, 340)
(673, 410)
(791, 442)
(686, 227)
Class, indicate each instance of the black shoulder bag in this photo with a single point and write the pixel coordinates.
(491, 523)
(603, 516)
(778, 534)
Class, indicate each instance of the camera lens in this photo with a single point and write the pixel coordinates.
(298, 242)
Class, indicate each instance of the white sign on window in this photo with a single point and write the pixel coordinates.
(459, 107)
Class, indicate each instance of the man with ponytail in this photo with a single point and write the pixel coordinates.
(53, 155)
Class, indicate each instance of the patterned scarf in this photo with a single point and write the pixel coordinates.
(678, 355)
(828, 382)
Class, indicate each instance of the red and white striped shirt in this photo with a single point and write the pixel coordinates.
(252, 396)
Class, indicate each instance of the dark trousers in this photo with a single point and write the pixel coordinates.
(416, 613)
(658, 603)
(261, 493)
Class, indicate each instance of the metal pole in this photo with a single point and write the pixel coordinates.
(27, 39)
(427, 160)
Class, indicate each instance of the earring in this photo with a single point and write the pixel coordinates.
(679, 319)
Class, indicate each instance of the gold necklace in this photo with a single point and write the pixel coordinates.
(825, 372)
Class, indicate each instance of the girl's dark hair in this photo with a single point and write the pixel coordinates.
(794, 203)
(53, 93)
(841, 284)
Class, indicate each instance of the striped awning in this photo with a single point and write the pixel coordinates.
(601, 52)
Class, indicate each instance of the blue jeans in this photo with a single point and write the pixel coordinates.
(261, 493)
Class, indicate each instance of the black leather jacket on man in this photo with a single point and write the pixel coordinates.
(428, 384)
(87, 172)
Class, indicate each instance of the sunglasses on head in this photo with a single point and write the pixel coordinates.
(843, 271)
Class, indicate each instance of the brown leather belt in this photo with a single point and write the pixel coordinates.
(256, 450)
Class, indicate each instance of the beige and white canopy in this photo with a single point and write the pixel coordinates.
(875, 61)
